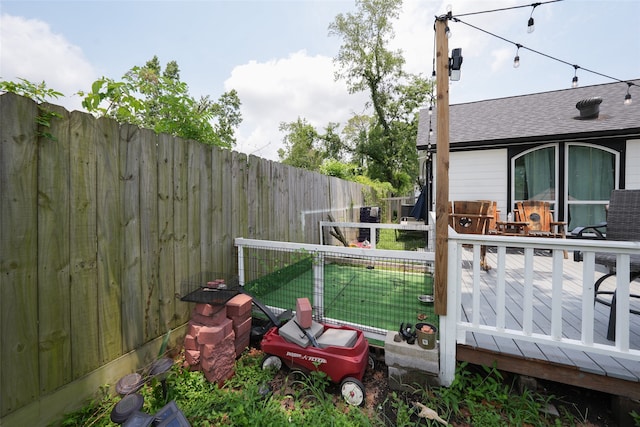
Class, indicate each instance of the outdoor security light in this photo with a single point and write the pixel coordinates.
(455, 63)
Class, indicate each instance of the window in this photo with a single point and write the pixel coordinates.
(591, 175)
(534, 175)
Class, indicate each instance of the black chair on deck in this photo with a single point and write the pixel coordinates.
(623, 224)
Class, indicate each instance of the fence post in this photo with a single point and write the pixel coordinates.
(318, 284)
(240, 264)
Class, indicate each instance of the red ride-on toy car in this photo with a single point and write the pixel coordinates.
(341, 352)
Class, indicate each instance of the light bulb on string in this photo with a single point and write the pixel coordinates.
(531, 24)
(574, 81)
(516, 60)
(431, 110)
(447, 31)
(627, 97)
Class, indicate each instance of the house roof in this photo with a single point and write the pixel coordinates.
(539, 117)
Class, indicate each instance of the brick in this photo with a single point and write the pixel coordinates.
(205, 309)
(240, 319)
(194, 328)
(242, 328)
(214, 334)
(190, 342)
(219, 376)
(220, 349)
(239, 305)
(241, 343)
(304, 312)
(212, 320)
(192, 357)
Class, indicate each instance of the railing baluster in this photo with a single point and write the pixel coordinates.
(622, 302)
(501, 289)
(556, 296)
(588, 278)
(476, 285)
(527, 313)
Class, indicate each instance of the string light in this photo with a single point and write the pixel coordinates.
(574, 81)
(430, 110)
(516, 60)
(627, 97)
(531, 24)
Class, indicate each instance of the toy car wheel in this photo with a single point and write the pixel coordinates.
(372, 362)
(352, 391)
(271, 362)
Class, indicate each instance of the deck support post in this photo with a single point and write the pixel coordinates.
(442, 164)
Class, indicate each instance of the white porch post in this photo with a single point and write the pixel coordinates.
(448, 331)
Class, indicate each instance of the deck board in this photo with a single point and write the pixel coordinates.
(605, 366)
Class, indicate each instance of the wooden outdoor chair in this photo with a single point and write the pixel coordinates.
(623, 225)
(473, 217)
(540, 218)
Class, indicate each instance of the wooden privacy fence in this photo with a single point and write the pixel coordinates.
(99, 228)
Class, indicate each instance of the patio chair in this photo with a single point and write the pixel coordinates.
(540, 218)
(622, 224)
(473, 217)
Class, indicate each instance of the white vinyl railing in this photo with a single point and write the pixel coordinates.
(454, 327)
(320, 252)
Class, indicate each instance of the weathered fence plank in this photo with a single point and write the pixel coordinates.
(166, 271)
(180, 226)
(19, 249)
(110, 244)
(194, 219)
(218, 222)
(206, 209)
(53, 255)
(132, 296)
(149, 232)
(83, 245)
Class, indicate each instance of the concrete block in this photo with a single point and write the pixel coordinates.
(410, 356)
(239, 305)
(304, 313)
(410, 380)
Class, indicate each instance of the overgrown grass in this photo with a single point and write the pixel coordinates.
(478, 397)
(401, 240)
(244, 400)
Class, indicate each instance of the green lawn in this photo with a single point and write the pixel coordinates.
(378, 294)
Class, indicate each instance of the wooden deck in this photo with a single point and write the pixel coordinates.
(594, 371)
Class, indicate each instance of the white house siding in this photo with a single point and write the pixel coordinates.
(479, 175)
(632, 178)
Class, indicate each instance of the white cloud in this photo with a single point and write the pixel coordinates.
(281, 90)
(30, 50)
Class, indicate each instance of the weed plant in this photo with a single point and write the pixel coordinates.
(244, 400)
(479, 396)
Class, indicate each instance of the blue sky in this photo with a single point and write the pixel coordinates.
(278, 54)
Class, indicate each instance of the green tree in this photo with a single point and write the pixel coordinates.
(301, 143)
(158, 100)
(388, 143)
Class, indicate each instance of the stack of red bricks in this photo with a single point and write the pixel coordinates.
(216, 335)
